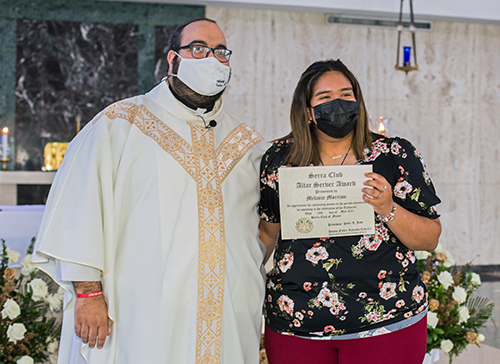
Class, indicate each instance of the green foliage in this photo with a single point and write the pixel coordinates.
(454, 316)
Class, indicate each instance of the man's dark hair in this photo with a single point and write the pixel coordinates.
(174, 42)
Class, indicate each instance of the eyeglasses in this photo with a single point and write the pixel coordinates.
(200, 51)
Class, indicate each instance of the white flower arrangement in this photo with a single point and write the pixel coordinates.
(11, 309)
(15, 332)
(25, 360)
(29, 332)
(12, 256)
(454, 316)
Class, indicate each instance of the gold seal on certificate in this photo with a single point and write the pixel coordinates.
(304, 225)
(324, 201)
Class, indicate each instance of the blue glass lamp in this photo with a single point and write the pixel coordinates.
(407, 66)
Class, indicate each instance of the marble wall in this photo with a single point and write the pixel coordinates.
(68, 71)
(64, 60)
(448, 108)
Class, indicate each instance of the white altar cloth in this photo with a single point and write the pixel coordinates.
(19, 224)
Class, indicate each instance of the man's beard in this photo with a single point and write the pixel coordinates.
(190, 96)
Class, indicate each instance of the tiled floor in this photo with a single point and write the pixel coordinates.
(489, 350)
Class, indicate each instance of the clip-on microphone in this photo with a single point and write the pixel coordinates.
(211, 123)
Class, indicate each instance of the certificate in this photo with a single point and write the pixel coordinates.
(324, 201)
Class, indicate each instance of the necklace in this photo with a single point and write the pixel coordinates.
(338, 156)
(343, 160)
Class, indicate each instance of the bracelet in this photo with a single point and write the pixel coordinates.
(90, 294)
(389, 217)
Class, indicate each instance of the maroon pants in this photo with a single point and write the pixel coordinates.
(406, 346)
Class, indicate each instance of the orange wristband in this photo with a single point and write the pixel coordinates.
(90, 294)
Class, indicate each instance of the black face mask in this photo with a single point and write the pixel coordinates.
(336, 118)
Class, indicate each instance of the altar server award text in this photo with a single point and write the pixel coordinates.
(324, 201)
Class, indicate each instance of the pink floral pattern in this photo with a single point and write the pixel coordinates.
(316, 253)
(285, 263)
(402, 188)
(286, 304)
(418, 293)
(387, 290)
(338, 285)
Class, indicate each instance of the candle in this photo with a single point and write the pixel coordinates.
(381, 128)
(78, 123)
(5, 145)
(406, 56)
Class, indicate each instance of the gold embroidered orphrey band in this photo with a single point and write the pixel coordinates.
(208, 167)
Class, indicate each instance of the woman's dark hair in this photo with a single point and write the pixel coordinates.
(304, 150)
(174, 42)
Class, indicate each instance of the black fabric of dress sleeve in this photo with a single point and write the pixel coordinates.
(269, 208)
(403, 166)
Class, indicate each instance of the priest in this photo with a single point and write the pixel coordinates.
(151, 224)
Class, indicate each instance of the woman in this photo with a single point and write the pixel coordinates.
(361, 296)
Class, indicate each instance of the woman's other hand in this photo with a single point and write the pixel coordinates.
(414, 231)
(378, 193)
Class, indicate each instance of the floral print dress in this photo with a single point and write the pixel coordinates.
(331, 286)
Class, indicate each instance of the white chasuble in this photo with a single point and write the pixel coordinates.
(166, 209)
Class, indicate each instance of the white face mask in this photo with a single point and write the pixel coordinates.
(206, 76)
